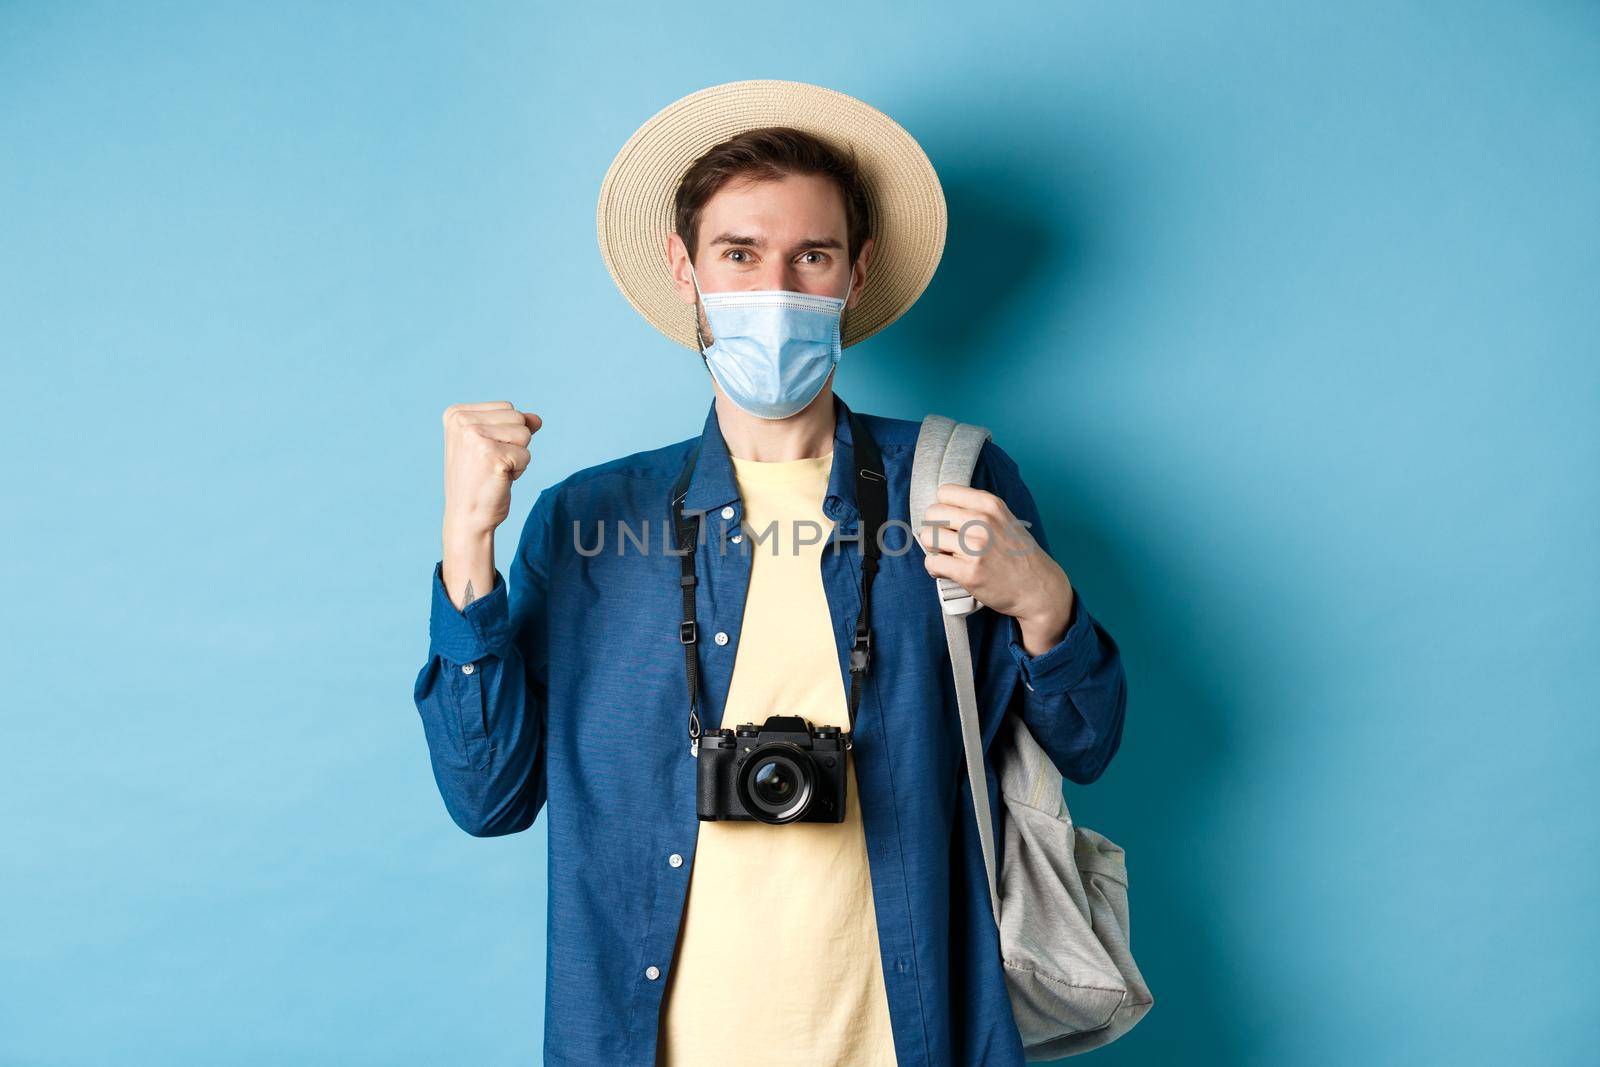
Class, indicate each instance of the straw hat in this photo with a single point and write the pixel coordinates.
(635, 213)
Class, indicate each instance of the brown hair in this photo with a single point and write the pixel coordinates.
(767, 154)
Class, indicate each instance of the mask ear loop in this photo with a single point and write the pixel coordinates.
(699, 335)
(849, 285)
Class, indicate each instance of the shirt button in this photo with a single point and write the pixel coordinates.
(727, 512)
(652, 973)
(675, 859)
(736, 538)
(467, 668)
(721, 638)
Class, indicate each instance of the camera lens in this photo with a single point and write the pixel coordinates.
(777, 782)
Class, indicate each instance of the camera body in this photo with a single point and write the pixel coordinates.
(785, 770)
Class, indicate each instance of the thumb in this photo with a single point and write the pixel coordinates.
(532, 421)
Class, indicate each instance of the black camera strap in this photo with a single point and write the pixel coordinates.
(872, 500)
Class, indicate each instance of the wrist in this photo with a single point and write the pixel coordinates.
(466, 538)
(1042, 626)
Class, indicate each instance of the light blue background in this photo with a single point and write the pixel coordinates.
(1287, 311)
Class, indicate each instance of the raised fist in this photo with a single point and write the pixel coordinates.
(485, 450)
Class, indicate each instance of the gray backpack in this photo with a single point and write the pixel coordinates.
(1060, 895)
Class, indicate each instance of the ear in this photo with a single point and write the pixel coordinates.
(679, 265)
(859, 281)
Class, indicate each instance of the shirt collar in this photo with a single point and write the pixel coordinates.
(713, 484)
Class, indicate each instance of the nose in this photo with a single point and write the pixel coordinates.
(779, 276)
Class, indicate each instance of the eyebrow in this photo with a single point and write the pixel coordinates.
(758, 242)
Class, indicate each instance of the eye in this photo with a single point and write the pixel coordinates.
(737, 252)
(822, 256)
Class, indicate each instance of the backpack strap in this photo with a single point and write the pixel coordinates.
(947, 451)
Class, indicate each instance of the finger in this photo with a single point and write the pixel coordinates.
(967, 497)
(512, 459)
(532, 421)
(512, 433)
(965, 539)
(956, 568)
(473, 418)
(948, 521)
(937, 539)
(949, 515)
(487, 405)
(462, 414)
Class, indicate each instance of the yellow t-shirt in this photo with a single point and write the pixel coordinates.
(777, 960)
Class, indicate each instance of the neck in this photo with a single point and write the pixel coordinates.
(807, 434)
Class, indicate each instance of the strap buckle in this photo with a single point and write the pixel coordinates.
(861, 651)
(686, 632)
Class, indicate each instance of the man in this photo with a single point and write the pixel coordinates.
(767, 225)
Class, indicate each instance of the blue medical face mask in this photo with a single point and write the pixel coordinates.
(771, 349)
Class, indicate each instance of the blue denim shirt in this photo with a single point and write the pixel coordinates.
(567, 684)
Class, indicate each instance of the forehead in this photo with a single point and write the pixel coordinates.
(793, 204)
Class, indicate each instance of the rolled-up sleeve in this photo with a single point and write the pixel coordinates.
(1065, 663)
(467, 635)
(482, 693)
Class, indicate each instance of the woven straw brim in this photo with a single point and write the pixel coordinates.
(635, 212)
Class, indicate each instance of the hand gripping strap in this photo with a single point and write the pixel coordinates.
(947, 451)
